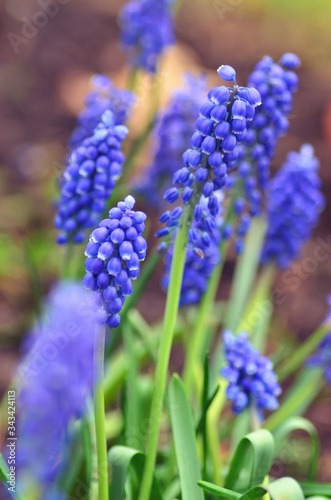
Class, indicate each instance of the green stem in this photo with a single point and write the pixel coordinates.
(137, 146)
(298, 357)
(33, 273)
(133, 79)
(69, 251)
(255, 419)
(197, 340)
(131, 401)
(171, 311)
(99, 411)
(245, 272)
(213, 418)
(90, 447)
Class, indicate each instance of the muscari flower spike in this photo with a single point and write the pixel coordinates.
(322, 357)
(103, 96)
(114, 253)
(276, 83)
(147, 30)
(198, 265)
(89, 179)
(172, 133)
(54, 380)
(251, 378)
(294, 202)
(220, 127)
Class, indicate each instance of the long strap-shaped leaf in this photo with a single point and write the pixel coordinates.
(316, 489)
(184, 440)
(122, 459)
(251, 462)
(285, 488)
(300, 423)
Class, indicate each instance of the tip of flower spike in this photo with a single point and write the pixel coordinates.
(108, 118)
(129, 201)
(227, 73)
(100, 81)
(290, 61)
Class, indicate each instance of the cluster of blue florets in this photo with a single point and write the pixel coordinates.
(322, 358)
(173, 131)
(147, 29)
(197, 271)
(294, 203)
(220, 127)
(103, 96)
(200, 260)
(276, 83)
(113, 254)
(89, 180)
(55, 379)
(251, 378)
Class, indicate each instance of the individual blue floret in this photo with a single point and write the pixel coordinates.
(252, 381)
(294, 202)
(103, 96)
(89, 179)
(147, 29)
(114, 253)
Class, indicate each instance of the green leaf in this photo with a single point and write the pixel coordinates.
(299, 397)
(208, 403)
(300, 423)
(245, 272)
(184, 440)
(311, 489)
(317, 497)
(124, 460)
(258, 312)
(299, 356)
(285, 488)
(218, 491)
(3, 469)
(251, 462)
(204, 403)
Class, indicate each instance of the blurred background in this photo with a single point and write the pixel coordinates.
(44, 77)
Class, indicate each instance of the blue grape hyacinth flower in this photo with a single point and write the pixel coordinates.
(322, 357)
(220, 127)
(199, 266)
(172, 133)
(89, 179)
(276, 83)
(294, 202)
(147, 29)
(251, 378)
(55, 379)
(103, 96)
(114, 253)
